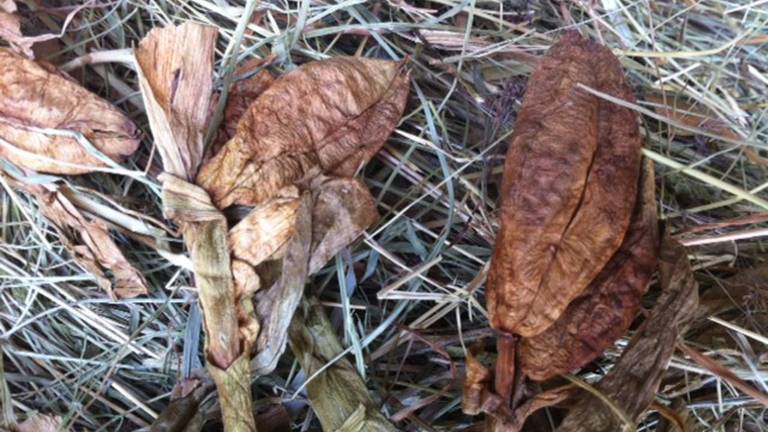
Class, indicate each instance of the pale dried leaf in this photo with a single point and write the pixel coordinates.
(329, 217)
(634, 380)
(90, 244)
(276, 305)
(338, 395)
(266, 229)
(10, 29)
(42, 112)
(175, 69)
(343, 209)
(205, 231)
(37, 423)
(327, 116)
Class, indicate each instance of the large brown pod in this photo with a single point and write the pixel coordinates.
(569, 187)
(595, 319)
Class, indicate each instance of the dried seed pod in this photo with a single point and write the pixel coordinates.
(594, 320)
(569, 187)
(38, 106)
(325, 117)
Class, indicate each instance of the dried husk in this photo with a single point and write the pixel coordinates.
(42, 112)
(632, 383)
(569, 151)
(175, 69)
(327, 116)
(594, 320)
(338, 395)
(175, 66)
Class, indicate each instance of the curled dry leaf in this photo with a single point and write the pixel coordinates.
(569, 151)
(634, 380)
(41, 113)
(329, 217)
(175, 67)
(266, 229)
(327, 116)
(90, 244)
(594, 320)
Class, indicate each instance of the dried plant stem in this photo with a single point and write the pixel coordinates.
(205, 234)
(505, 366)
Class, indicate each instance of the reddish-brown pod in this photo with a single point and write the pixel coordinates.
(569, 186)
(595, 319)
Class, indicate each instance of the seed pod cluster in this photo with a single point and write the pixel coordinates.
(568, 195)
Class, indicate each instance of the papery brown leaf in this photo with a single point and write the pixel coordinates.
(241, 96)
(90, 244)
(327, 116)
(266, 229)
(40, 110)
(569, 187)
(343, 209)
(634, 380)
(338, 395)
(37, 423)
(329, 217)
(595, 319)
(10, 29)
(175, 68)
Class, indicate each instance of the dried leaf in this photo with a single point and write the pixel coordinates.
(276, 305)
(343, 209)
(205, 229)
(265, 230)
(10, 29)
(241, 95)
(329, 217)
(338, 395)
(634, 380)
(175, 68)
(569, 151)
(326, 116)
(90, 244)
(41, 113)
(594, 320)
(37, 423)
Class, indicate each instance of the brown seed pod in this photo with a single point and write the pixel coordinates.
(325, 117)
(569, 187)
(605, 310)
